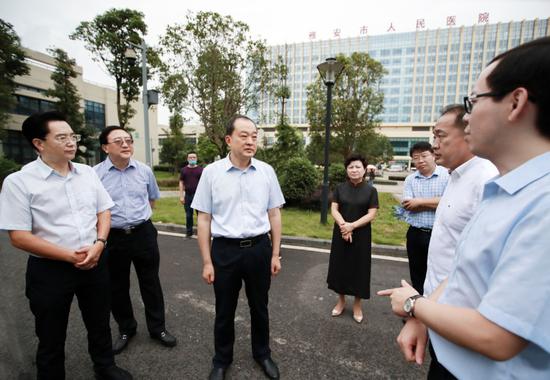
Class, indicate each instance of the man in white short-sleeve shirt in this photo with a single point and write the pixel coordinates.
(58, 212)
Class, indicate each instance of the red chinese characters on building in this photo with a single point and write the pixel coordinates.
(312, 35)
(363, 30)
(483, 18)
(420, 23)
(391, 28)
(336, 32)
(451, 20)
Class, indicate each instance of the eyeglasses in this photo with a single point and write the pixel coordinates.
(471, 99)
(64, 139)
(119, 141)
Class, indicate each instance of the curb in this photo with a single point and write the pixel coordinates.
(377, 249)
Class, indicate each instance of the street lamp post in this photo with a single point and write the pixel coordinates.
(131, 55)
(329, 71)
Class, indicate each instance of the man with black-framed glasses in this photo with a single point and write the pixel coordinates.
(489, 318)
(58, 212)
(133, 237)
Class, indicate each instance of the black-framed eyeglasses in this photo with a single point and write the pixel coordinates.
(119, 141)
(470, 99)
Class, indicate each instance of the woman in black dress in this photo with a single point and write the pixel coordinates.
(354, 206)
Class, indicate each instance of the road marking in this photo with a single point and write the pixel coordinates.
(309, 249)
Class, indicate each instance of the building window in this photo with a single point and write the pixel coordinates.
(17, 148)
(94, 114)
(25, 105)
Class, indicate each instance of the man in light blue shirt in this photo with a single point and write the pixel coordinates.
(421, 193)
(239, 200)
(58, 212)
(489, 320)
(133, 237)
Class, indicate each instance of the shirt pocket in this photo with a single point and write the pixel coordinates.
(87, 202)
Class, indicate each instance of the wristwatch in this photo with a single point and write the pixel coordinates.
(408, 306)
(101, 240)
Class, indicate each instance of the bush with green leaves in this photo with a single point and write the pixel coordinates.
(7, 167)
(299, 179)
(336, 174)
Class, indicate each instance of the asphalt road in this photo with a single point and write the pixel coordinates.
(307, 342)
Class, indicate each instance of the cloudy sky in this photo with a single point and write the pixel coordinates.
(42, 24)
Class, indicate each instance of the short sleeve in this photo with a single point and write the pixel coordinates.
(104, 201)
(202, 201)
(276, 198)
(152, 186)
(518, 296)
(373, 201)
(336, 195)
(15, 206)
(181, 173)
(407, 188)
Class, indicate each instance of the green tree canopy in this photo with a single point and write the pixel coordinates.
(68, 101)
(12, 64)
(107, 37)
(174, 147)
(357, 103)
(219, 69)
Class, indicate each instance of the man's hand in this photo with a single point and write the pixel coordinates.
(398, 297)
(182, 200)
(93, 253)
(275, 265)
(208, 273)
(412, 341)
(413, 204)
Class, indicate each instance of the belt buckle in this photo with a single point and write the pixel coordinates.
(128, 231)
(245, 243)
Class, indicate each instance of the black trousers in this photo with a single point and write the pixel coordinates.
(418, 241)
(188, 212)
(437, 371)
(232, 266)
(50, 287)
(138, 246)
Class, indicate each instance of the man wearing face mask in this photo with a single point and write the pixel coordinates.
(189, 179)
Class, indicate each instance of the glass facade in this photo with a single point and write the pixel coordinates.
(25, 105)
(17, 148)
(94, 114)
(427, 69)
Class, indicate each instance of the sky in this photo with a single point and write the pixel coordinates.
(42, 24)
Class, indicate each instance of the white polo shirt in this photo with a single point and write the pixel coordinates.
(61, 210)
(456, 207)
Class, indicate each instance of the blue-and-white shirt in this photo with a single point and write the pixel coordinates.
(501, 269)
(131, 190)
(238, 200)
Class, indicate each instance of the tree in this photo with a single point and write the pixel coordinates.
(220, 64)
(279, 87)
(107, 37)
(357, 102)
(174, 147)
(289, 144)
(12, 64)
(68, 101)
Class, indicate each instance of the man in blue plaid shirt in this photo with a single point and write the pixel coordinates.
(421, 194)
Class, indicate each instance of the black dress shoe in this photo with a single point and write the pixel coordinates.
(269, 367)
(120, 344)
(165, 338)
(217, 373)
(112, 373)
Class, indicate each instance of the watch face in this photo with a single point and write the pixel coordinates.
(407, 306)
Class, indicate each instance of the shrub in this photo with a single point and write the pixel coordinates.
(168, 183)
(336, 174)
(7, 167)
(163, 168)
(299, 179)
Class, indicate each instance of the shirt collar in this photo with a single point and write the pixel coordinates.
(110, 164)
(45, 171)
(465, 166)
(438, 171)
(525, 174)
(228, 165)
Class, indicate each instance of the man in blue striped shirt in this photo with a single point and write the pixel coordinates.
(421, 194)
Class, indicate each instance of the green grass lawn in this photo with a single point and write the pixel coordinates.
(296, 222)
(165, 175)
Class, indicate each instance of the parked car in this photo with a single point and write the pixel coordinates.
(395, 168)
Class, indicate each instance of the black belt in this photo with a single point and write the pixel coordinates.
(426, 230)
(130, 230)
(242, 243)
